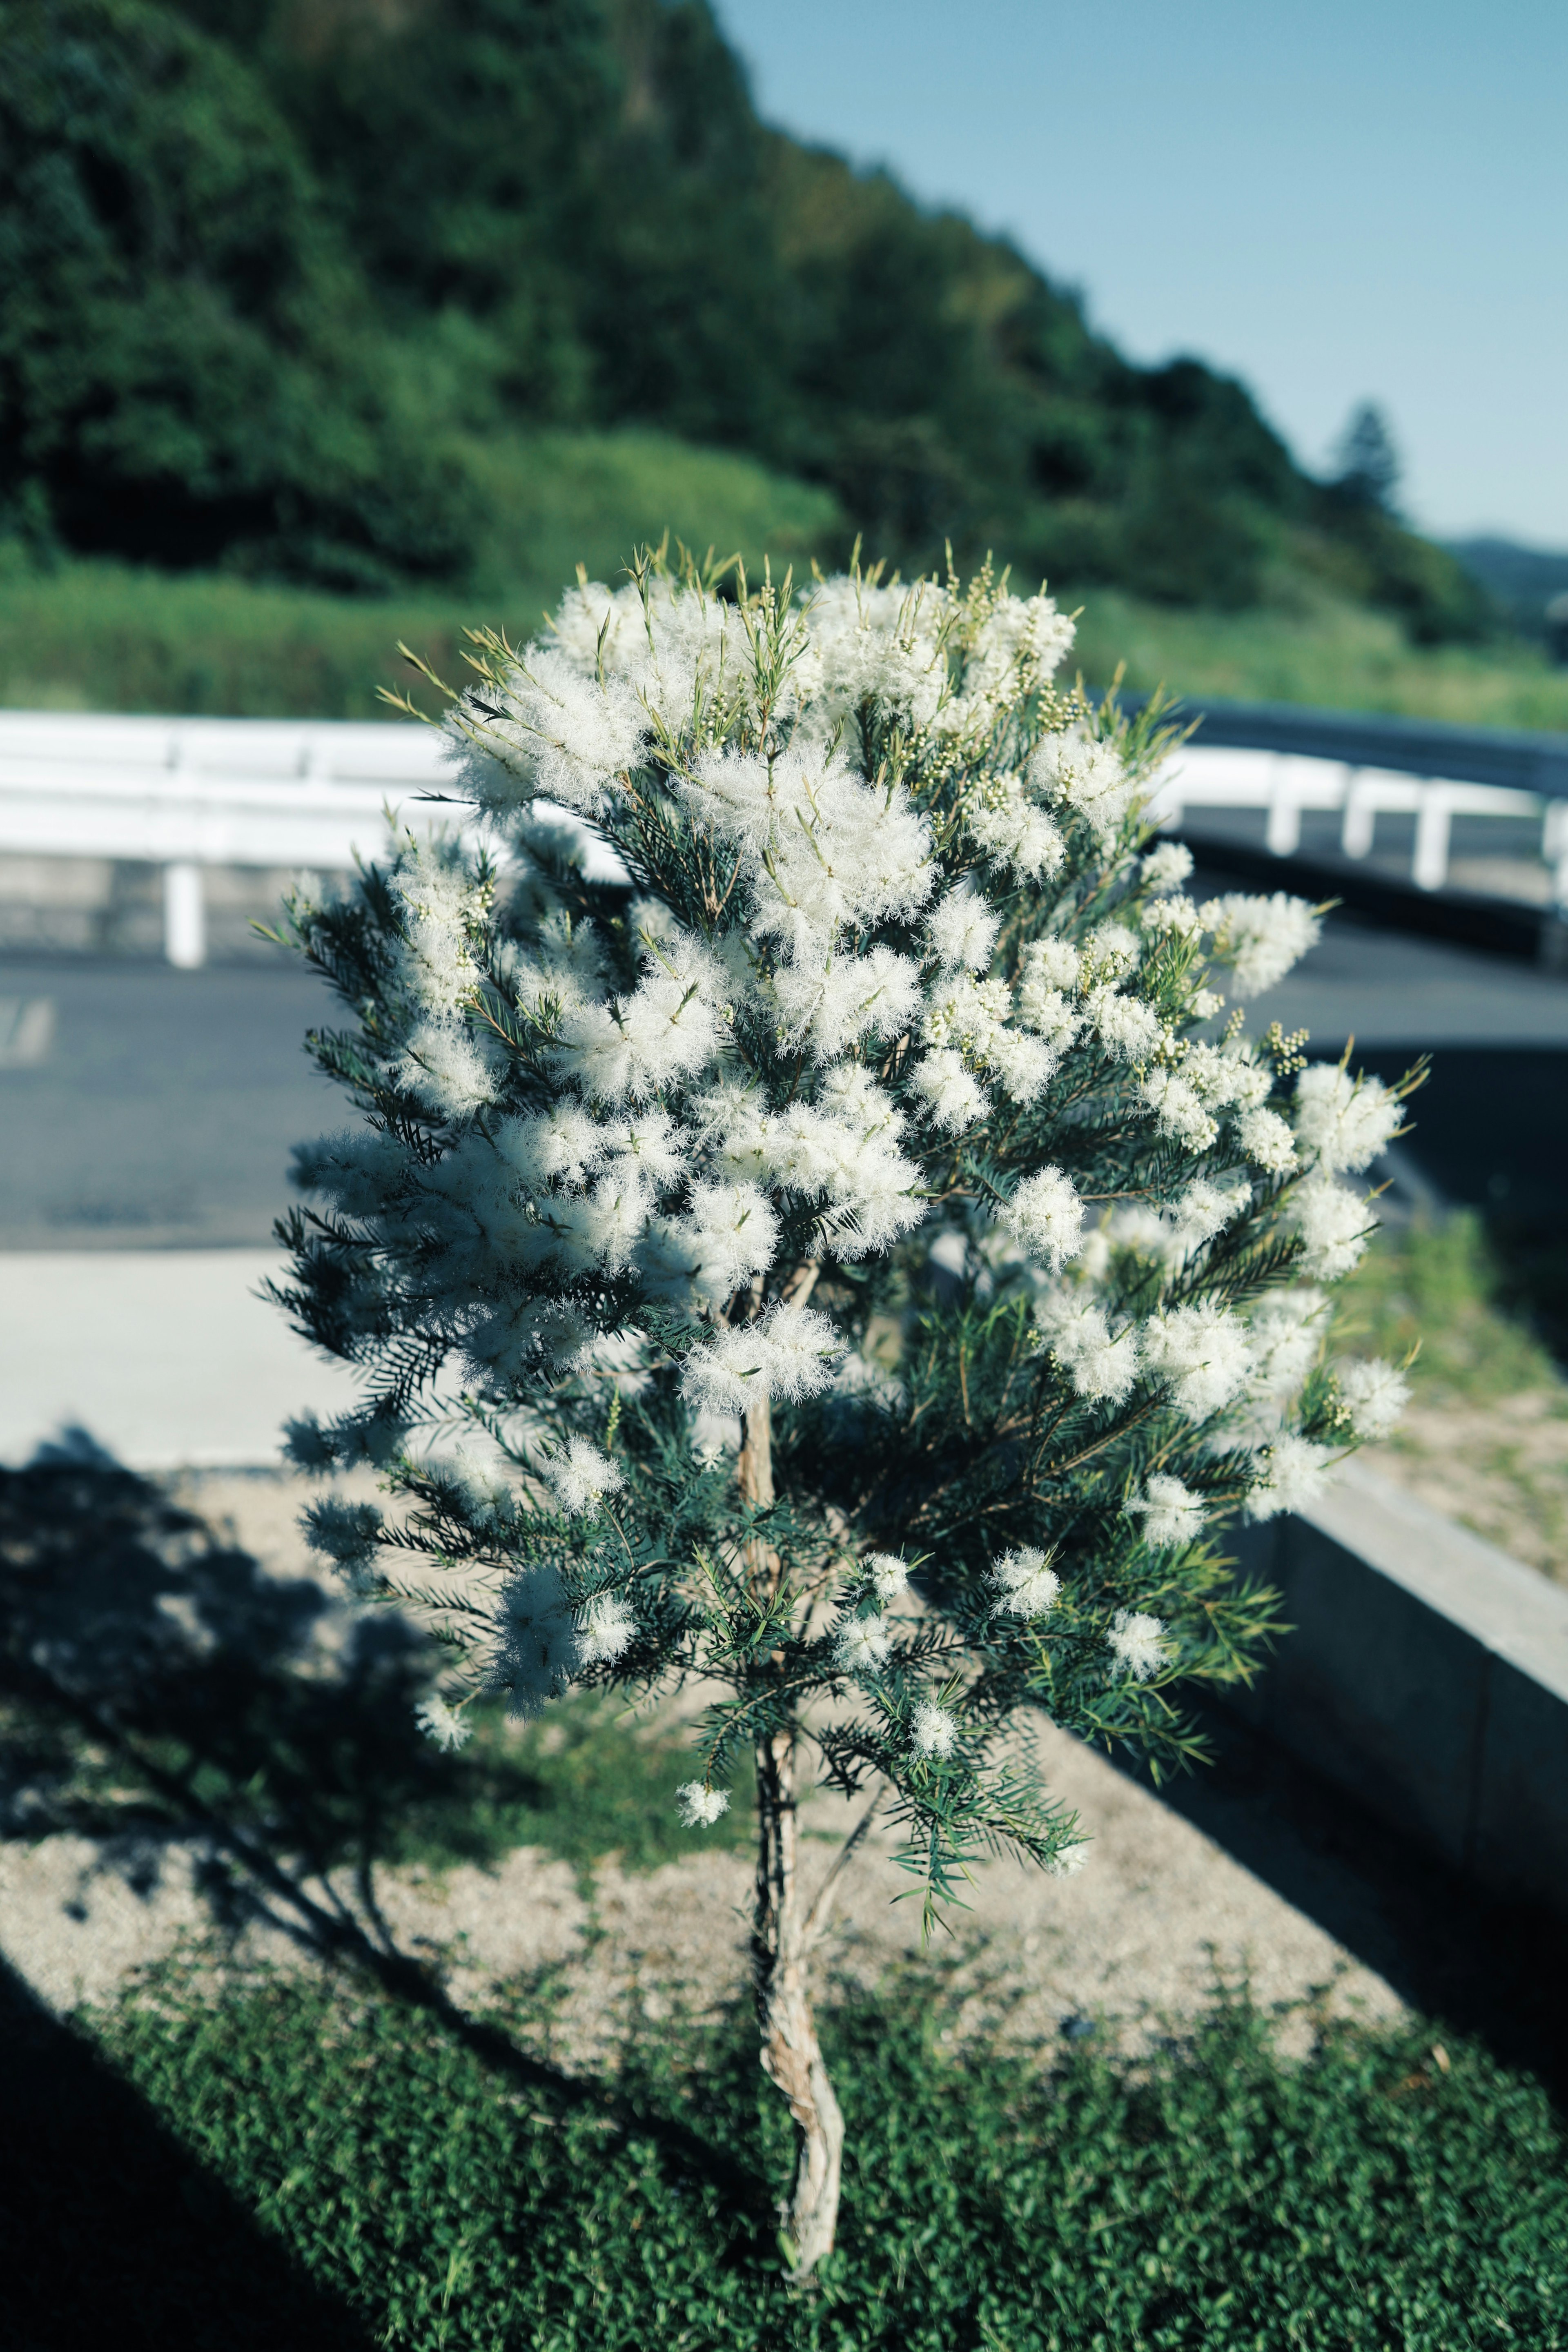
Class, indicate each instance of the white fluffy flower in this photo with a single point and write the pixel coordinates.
(1050, 964)
(954, 1098)
(790, 1353)
(606, 1627)
(1014, 834)
(1171, 1516)
(546, 1148)
(1178, 1110)
(1293, 1472)
(829, 1003)
(1068, 1860)
(442, 1723)
(1167, 867)
(539, 1647)
(730, 1234)
(1260, 939)
(1087, 777)
(1025, 1066)
(1373, 1394)
(932, 1731)
(1018, 645)
(1044, 1217)
(1101, 1366)
(561, 736)
(1138, 1643)
(445, 1068)
(1204, 1210)
(1128, 1029)
(1284, 1339)
(1344, 1123)
(580, 1477)
(859, 1645)
(1334, 1225)
(1268, 1141)
(438, 899)
(699, 1807)
(885, 644)
(1025, 1583)
(1203, 1351)
(962, 930)
(885, 1574)
(1162, 918)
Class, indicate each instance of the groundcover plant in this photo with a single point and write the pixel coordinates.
(854, 1260)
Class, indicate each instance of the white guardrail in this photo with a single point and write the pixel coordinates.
(186, 794)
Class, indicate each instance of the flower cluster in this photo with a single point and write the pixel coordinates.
(865, 1173)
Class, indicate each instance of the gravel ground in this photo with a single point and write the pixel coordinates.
(1135, 1940)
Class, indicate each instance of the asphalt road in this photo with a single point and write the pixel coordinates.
(141, 1106)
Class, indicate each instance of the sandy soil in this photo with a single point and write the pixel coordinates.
(1502, 1469)
(1137, 1937)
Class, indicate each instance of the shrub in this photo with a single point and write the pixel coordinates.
(805, 1234)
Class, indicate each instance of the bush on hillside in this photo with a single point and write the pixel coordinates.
(264, 265)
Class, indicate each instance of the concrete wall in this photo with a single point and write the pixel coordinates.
(1428, 1676)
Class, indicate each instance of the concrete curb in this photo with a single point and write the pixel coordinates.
(1426, 1676)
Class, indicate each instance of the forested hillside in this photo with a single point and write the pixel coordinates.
(287, 286)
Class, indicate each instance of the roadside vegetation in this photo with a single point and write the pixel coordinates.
(105, 635)
(1485, 1438)
(443, 2185)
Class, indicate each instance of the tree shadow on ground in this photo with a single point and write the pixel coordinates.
(1487, 1967)
(109, 2230)
(158, 1687)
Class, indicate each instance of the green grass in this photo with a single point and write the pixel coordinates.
(1443, 1286)
(451, 2190)
(1327, 653)
(103, 636)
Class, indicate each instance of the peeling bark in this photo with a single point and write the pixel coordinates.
(782, 1933)
(792, 2055)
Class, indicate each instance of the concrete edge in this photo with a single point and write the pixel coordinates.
(1426, 1675)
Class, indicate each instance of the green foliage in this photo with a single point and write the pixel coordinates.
(187, 364)
(269, 273)
(453, 2191)
(104, 635)
(97, 635)
(1313, 644)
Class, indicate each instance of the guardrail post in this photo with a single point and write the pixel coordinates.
(1284, 835)
(1430, 869)
(1555, 849)
(1358, 825)
(185, 916)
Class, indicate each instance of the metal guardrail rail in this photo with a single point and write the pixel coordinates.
(1512, 758)
(187, 794)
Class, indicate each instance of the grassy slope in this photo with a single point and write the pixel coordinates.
(1327, 653)
(99, 637)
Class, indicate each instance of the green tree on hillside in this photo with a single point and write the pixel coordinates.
(272, 274)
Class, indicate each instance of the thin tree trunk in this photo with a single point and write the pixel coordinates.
(792, 2055)
(782, 1934)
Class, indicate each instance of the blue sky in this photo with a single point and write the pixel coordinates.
(1355, 199)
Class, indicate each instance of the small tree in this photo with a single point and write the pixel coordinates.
(842, 1261)
(1367, 462)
